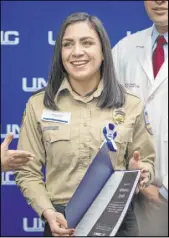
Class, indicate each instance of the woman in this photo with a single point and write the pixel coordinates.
(64, 122)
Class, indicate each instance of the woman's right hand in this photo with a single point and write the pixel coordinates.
(57, 223)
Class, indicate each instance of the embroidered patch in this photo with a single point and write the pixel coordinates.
(147, 122)
(119, 115)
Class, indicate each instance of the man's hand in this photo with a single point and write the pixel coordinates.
(13, 159)
(152, 193)
(135, 163)
(57, 223)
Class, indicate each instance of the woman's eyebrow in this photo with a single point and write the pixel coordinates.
(81, 39)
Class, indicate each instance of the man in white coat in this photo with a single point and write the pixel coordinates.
(141, 65)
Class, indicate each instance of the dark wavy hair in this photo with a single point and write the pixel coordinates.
(113, 94)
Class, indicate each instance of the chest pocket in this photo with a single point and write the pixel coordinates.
(124, 136)
(62, 135)
(58, 146)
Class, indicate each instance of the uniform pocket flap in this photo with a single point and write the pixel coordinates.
(60, 135)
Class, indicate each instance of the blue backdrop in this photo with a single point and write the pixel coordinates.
(28, 31)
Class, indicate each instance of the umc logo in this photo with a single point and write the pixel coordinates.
(36, 225)
(11, 128)
(33, 85)
(7, 178)
(9, 37)
(128, 33)
(51, 41)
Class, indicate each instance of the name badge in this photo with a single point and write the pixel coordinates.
(56, 116)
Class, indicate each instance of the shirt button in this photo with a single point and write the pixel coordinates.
(151, 97)
(85, 124)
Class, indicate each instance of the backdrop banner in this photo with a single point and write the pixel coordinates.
(28, 33)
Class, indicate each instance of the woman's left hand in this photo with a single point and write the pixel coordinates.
(135, 163)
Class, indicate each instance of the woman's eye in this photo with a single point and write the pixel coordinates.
(67, 44)
(87, 43)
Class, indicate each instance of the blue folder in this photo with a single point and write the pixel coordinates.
(93, 181)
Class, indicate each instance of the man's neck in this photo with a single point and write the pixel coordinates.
(162, 29)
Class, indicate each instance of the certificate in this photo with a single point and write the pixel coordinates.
(102, 199)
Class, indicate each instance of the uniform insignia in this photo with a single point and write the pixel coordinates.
(119, 115)
(147, 122)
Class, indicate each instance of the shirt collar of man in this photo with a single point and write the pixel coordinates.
(155, 34)
(65, 86)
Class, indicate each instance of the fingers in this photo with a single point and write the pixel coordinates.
(21, 154)
(136, 156)
(144, 182)
(135, 161)
(144, 170)
(62, 227)
(63, 232)
(144, 175)
(58, 224)
(17, 159)
(61, 220)
(59, 230)
(7, 140)
(15, 164)
(144, 178)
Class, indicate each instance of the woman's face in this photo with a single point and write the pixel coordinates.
(81, 52)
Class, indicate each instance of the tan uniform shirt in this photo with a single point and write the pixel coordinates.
(68, 149)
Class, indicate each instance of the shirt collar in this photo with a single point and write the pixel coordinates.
(155, 34)
(65, 86)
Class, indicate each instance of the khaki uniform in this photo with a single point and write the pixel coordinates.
(68, 149)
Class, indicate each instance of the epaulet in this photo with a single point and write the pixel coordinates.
(38, 92)
(132, 94)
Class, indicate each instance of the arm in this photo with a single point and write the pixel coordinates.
(30, 177)
(143, 143)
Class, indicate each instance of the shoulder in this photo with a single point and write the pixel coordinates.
(133, 101)
(37, 97)
(36, 100)
(135, 38)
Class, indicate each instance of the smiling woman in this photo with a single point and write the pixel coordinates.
(63, 125)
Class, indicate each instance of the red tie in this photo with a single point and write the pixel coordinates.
(158, 55)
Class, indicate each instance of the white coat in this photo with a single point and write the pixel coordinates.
(132, 58)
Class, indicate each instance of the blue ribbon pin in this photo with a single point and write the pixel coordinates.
(110, 134)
